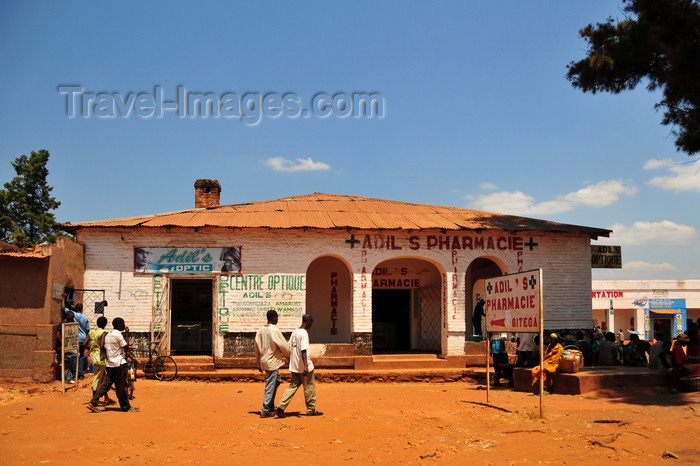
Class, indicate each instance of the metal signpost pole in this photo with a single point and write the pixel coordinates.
(63, 358)
(541, 319)
(513, 304)
(488, 365)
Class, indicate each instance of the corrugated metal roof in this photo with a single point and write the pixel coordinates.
(10, 250)
(332, 211)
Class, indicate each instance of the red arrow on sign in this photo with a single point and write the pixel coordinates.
(499, 322)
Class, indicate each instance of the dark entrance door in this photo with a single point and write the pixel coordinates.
(662, 325)
(391, 320)
(191, 316)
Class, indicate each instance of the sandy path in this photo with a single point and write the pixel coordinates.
(417, 423)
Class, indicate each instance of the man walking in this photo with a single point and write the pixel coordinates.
(302, 370)
(115, 349)
(270, 351)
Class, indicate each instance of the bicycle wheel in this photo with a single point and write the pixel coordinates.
(164, 368)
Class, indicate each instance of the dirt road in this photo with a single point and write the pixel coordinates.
(418, 423)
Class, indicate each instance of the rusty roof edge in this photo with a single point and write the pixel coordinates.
(594, 233)
(490, 220)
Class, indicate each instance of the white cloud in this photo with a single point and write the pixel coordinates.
(488, 186)
(684, 176)
(281, 164)
(664, 232)
(597, 195)
(642, 265)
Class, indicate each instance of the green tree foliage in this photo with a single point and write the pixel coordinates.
(658, 41)
(26, 202)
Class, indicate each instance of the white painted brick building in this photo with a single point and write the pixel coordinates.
(376, 275)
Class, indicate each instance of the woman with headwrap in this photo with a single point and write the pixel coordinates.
(549, 364)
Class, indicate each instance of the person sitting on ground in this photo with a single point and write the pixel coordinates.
(633, 353)
(655, 351)
(98, 358)
(585, 347)
(693, 348)
(535, 355)
(619, 349)
(524, 350)
(679, 359)
(666, 358)
(550, 364)
(597, 336)
(607, 355)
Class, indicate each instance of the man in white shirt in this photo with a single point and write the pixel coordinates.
(115, 348)
(270, 351)
(525, 347)
(302, 370)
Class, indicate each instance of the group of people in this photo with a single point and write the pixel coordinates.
(111, 348)
(525, 345)
(678, 357)
(107, 355)
(271, 350)
(528, 355)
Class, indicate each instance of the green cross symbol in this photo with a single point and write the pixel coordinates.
(531, 244)
(352, 241)
(532, 282)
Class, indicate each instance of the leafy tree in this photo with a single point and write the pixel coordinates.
(26, 202)
(658, 41)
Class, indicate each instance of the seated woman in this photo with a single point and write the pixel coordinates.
(634, 352)
(549, 365)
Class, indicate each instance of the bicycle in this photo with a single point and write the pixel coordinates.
(161, 366)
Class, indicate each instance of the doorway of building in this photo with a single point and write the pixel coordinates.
(191, 316)
(391, 321)
(663, 326)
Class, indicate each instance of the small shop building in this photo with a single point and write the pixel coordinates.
(378, 276)
(646, 306)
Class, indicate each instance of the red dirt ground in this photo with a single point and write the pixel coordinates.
(381, 423)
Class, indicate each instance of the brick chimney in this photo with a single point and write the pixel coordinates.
(207, 193)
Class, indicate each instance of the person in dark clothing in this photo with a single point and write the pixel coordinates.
(476, 317)
(634, 354)
(586, 349)
(500, 361)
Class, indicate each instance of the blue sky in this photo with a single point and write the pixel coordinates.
(476, 113)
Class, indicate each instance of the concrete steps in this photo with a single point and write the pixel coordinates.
(410, 367)
(413, 361)
(194, 363)
(594, 378)
(343, 375)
